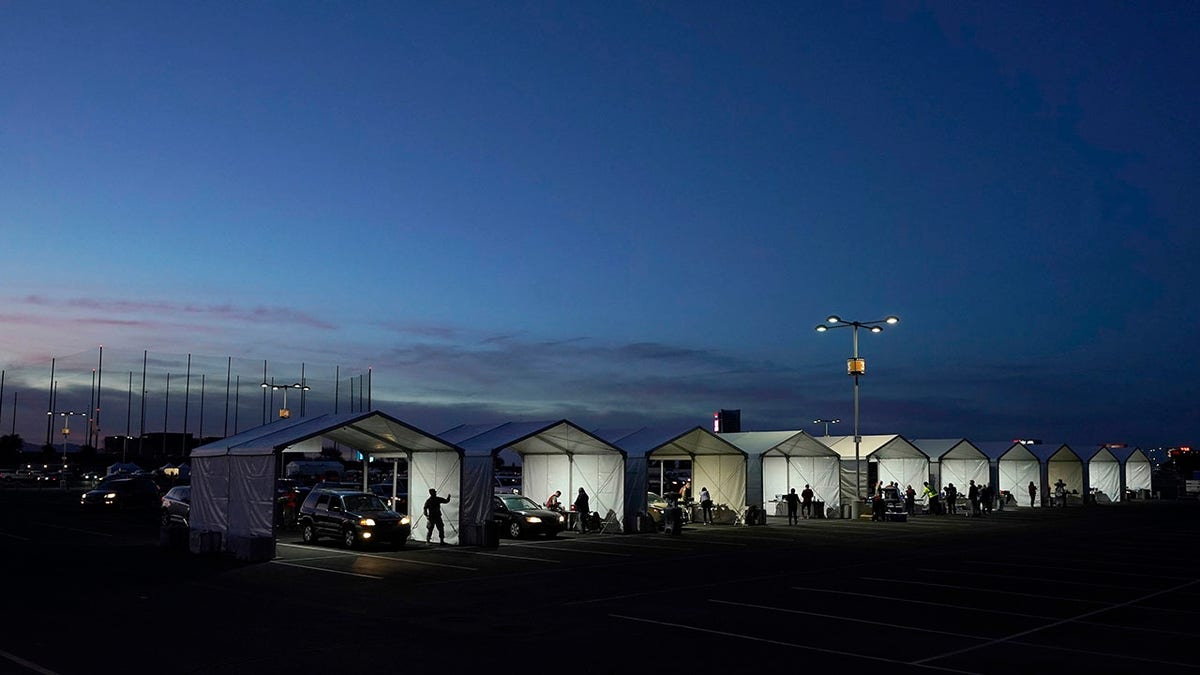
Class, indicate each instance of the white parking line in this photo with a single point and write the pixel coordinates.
(1074, 569)
(781, 643)
(571, 550)
(411, 561)
(983, 589)
(28, 664)
(74, 529)
(1025, 578)
(324, 569)
(14, 536)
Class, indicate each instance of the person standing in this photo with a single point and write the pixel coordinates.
(706, 505)
(553, 503)
(973, 497)
(910, 501)
(806, 501)
(951, 499)
(582, 510)
(793, 503)
(433, 516)
(931, 499)
(1032, 494)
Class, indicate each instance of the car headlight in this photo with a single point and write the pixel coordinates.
(405, 520)
(532, 519)
(562, 519)
(110, 495)
(367, 522)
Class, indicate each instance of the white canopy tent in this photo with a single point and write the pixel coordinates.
(554, 456)
(1104, 476)
(957, 461)
(785, 460)
(1136, 469)
(716, 463)
(1061, 463)
(233, 479)
(1016, 468)
(894, 457)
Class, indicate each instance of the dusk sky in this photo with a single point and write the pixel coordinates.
(618, 213)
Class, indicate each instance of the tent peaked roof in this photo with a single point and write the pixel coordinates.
(997, 449)
(669, 442)
(528, 438)
(785, 443)
(1050, 450)
(880, 446)
(372, 432)
(1123, 455)
(948, 448)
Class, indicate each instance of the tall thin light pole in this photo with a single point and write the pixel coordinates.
(87, 436)
(228, 372)
(50, 419)
(128, 418)
(856, 367)
(96, 412)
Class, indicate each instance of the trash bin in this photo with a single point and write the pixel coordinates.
(672, 520)
(846, 511)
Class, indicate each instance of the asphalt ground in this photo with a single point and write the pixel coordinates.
(1099, 589)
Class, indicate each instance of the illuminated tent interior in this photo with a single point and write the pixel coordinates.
(554, 456)
(1136, 469)
(1104, 475)
(783, 460)
(1016, 468)
(1061, 463)
(233, 479)
(956, 460)
(894, 457)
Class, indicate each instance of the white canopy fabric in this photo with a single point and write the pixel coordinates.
(233, 479)
(1137, 470)
(555, 456)
(1104, 476)
(716, 463)
(957, 461)
(1062, 463)
(787, 460)
(896, 459)
(1016, 467)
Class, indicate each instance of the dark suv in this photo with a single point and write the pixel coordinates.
(352, 517)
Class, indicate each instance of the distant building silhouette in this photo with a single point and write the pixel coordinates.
(727, 421)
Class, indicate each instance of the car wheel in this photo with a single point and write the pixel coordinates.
(514, 530)
(166, 518)
(309, 534)
(348, 539)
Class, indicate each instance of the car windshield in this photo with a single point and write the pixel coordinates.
(360, 503)
(518, 502)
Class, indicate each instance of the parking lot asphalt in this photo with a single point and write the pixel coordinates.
(1100, 589)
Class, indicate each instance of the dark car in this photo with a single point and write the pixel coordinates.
(519, 516)
(352, 517)
(177, 506)
(657, 505)
(384, 490)
(138, 492)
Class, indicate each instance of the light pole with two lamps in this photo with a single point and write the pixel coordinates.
(284, 413)
(826, 423)
(856, 366)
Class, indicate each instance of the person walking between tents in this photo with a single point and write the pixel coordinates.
(706, 505)
(806, 501)
(973, 497)
(1032, 494)
(793, 504)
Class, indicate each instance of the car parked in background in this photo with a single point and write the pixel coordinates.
(384, 490)
(352, 518)
(519, 516)
(137, 492)
(656, 505)
(177, 506)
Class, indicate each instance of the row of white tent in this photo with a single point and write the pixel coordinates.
(233, 480)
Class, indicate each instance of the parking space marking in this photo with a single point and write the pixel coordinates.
(27, 663)
(982, 589)
(334, 554)
(14, 536)
(1025, 578)
(1074, 569)
(781, 643)
(1060, 622)
(571, 550)
(893, 598)
(324, 569)
(74, 529)
(490, 554)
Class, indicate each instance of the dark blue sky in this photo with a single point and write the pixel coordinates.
(622, 211)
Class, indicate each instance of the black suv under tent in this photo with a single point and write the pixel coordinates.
(233, 480)
(554, 455)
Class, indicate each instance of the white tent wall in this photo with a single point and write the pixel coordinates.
(1015, 476)
(904, 471)
(725, 478)
(442, 471)
(848, 475)
(781, 474)
(1137, 472)
(251, 534)
(962, 471)
(210, 499)
(603, 478)
(1104, 475)
(541, 475)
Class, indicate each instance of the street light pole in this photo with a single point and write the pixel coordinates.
(856, 367)
(284, 413)
(826, 423)
(66, 432)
